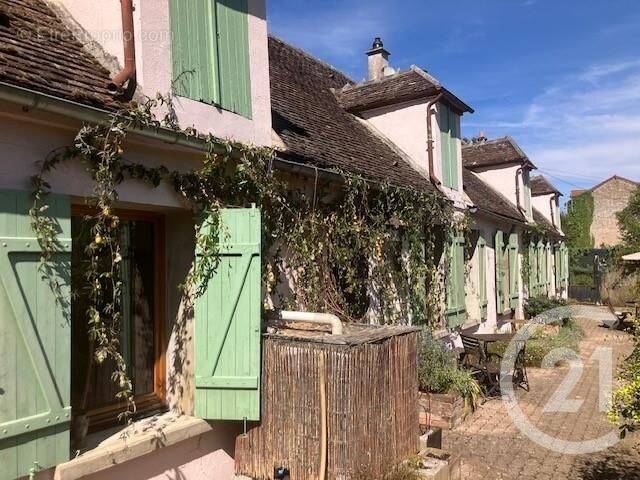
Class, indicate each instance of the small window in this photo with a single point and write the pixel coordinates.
(92, 390)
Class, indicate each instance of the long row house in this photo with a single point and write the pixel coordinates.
(196, 371)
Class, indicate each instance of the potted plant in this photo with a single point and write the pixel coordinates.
(447, 392)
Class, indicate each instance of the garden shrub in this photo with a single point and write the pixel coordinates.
(625, 402)
(544, 340)
(438, 372)
(536, 305)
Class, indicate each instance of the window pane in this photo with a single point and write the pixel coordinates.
(92, 386)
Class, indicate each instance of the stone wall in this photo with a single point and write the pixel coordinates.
(609, 198)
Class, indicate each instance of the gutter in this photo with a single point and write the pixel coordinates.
(32, 100)
(518, 174)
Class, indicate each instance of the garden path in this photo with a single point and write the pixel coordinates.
(490, 446)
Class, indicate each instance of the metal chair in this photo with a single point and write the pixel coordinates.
(479, 361)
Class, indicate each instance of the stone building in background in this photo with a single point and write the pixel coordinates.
(609, 197)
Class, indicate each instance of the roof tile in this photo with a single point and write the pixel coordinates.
(316, 130)
(38, 52)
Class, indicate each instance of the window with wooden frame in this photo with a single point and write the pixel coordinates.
(142, 329)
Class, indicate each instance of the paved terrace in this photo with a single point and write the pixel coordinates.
(490, 446)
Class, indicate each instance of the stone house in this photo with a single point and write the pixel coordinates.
(609, 197)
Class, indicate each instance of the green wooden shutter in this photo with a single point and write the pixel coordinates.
(455, 287)
(565, 266)
(542, 281)
(557, 267)
(450, 133)
(35, 339)
(210, 52)
(547, 258)
(227, 324)
(194, 50)
(499, 252)
(233, 50)
(482, 280)
(514, 293)
(533, 270)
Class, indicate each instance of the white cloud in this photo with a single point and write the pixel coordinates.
(587, 123)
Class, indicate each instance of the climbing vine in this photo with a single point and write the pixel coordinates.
(363, 249)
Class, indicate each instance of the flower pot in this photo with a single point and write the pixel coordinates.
(444, 410)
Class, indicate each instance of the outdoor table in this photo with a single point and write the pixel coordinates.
(520, 370)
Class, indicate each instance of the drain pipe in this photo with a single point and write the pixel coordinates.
(430, 105)
(128, 73)
(310, 317)
(552, 203)
(518, 174)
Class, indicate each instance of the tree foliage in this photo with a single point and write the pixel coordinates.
(577, 223)
(629, 222)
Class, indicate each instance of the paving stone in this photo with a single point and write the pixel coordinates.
(490, 445)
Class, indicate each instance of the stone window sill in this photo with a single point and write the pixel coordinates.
(144, 437)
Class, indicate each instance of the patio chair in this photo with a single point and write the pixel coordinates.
(481, 363)
(520, 376)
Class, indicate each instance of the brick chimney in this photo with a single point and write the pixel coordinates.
(378, 60)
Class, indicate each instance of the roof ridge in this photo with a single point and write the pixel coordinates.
(309, 56)
(376, 81)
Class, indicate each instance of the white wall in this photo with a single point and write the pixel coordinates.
(548, 206)
(406, 126)
(503, 179)
(102, 21)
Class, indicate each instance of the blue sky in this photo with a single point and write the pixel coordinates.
(561, 76)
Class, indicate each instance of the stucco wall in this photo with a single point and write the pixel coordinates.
(548, 206)
(608, 199)
(101, 19)
(503, 179)
(27, 139)
(405, 124)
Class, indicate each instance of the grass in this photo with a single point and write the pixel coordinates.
(545, 340)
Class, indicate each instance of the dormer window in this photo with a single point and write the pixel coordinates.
(449, 122)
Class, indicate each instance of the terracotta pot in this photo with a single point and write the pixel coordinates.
(444, 410)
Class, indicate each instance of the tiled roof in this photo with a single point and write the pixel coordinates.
(541, 186)
(500, 151)
(539, 218)
(39, 53)
(316, 130)
(400, 87)
(488, 199)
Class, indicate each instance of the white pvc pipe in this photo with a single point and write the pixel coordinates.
(311, 317)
